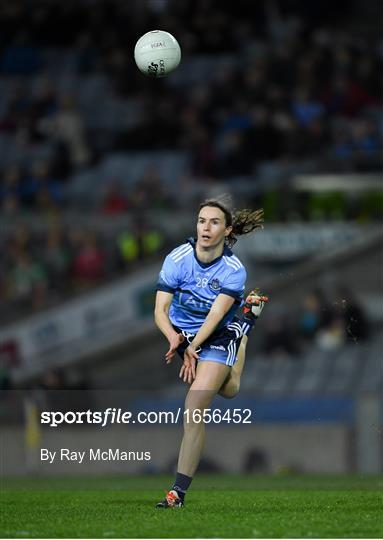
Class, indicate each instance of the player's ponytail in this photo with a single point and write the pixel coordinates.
(243, 221)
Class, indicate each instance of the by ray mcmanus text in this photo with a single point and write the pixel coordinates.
(93, 454)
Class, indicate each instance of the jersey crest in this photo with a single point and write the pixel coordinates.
(215, 285)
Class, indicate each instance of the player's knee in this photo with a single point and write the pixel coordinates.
(230, 390)
(234, 390)
(194, 419)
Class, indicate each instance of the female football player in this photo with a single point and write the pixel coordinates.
(200, 287)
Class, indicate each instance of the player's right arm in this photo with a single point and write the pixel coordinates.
(168, 282)
(161, 317)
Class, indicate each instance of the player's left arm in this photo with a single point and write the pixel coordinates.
(231, 291)
(218, 310)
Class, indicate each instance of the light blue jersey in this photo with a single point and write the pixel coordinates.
(196, 285)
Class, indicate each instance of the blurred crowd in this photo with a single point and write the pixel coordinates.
(323, 322)
(39, 269)
(280, 86)
(274, 83)
(40, 189)
(319, 323)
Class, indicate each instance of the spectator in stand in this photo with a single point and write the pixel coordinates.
(279, 338)
(305, 108)
(233, 158)
(89, 262)
(87, 54)
(342, 147)
(53, 379)
(365, 136)
(9, 358)
(53, 383)
(151, 192)
(5, 377)
(41, 191)
(28, 281)
(21, 240)
(10, 190)
(315, 315)
(357, 138)
(17, 109)
(316, 138)
(56, 258)
(198, 142)
(67, 127)
(309, 318)
(45, 100)
(127, 250)
(115, 201)
(46, 203)
(368, 74)
(10, 205)
(19, 57)
(332, 336)
(350, 310)
(264, 140)
(342, 97)
(44, 105)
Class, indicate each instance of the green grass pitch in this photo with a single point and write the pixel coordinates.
(218, 506)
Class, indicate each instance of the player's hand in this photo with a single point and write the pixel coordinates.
(174, 343)
(186, 373)
(188, 368)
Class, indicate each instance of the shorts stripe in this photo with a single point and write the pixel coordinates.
(237, 332)
(231, 355)
(240, 328)
(234, 353)
(236, 325)
(189, 338)
(221, 347)
(228, 355)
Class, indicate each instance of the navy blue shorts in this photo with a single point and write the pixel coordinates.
(222, 346)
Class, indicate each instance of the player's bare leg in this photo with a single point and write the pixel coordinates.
(209, 379)
(254, 304)
(232, 383)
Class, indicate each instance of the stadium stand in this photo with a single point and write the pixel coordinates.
(95, 160)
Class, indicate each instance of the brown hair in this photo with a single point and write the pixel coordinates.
(243, 221)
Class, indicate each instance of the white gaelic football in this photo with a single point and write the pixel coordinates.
(157, 53)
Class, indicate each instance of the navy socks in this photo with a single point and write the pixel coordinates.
(181, 484)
